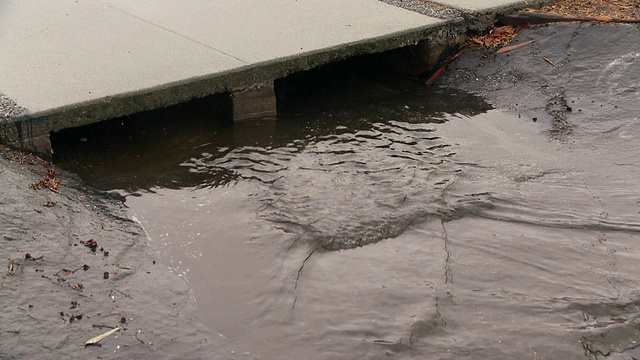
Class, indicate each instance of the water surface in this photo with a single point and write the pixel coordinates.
(423, 224)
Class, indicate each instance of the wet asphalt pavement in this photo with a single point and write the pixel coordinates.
(64, 293)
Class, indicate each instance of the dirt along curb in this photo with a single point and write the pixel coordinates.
(74, 267)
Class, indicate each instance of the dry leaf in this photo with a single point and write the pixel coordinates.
(12, 267)
(441, 70)
(476, 41)
(513, 47)
(496, 37)
(436, 74)
(97, 339)
(459, 53)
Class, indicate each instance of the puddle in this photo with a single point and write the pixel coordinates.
(423, 224)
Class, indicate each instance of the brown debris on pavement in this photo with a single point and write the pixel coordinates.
(621, 11)
(603, 9)
(48, 181)
(607, 11)
(497, 36)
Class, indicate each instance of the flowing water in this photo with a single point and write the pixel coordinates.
(420, 225)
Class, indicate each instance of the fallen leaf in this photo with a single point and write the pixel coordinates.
(441, 70)
(513, 47)
(476, 41)
(459, 53)
(436, 74)
(95, 340)
(487, 41)
(12, 265)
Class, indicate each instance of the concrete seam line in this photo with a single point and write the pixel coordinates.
(182, 36)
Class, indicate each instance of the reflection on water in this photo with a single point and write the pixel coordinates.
(148, 149)
(424, 225)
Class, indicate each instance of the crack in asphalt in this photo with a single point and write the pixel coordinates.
(424, 328)
(602, 238)
(295, 288)
(448, 277)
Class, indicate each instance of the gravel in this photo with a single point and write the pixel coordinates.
(426, 8)
(9, 108)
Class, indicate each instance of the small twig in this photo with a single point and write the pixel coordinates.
(103, 326)
(84, 267)
(137, 338)
(67, 272)
(64, 272)
(549, 61)
(33, 258)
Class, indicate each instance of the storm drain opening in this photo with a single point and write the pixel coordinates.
(139, 140)
(360, 79)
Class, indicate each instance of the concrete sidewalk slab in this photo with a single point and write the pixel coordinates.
(58, 53)
(256, 30)
(74, 62)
